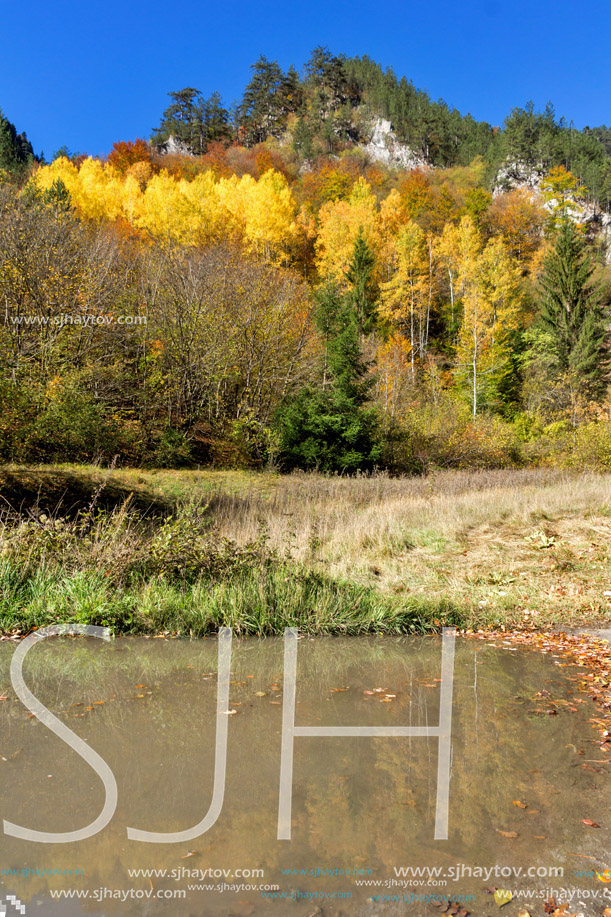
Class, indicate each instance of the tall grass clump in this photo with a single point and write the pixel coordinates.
(177, 575)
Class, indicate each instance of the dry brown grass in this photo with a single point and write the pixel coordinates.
(534, 543)
(525, 544)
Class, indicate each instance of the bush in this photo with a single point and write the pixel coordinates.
(123, 547)
(325, 430)
(446, 435)
(587, 447)
(172, 450)
(37, 544)
(186, 548)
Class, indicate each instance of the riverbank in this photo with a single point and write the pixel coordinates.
(185, 552)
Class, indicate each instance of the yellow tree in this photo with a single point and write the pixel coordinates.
(490, 282)
(339, 225)
(407, 297)
(457, 249)
(393, 216)
(270, 226)
(262, 213)
(562, 193)
(165, 212)
(518, 216)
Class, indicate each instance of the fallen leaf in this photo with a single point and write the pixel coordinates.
(590, 823)
(502, 896)
(507, 833)
(229, 712)
(520, 805)
(523, 914)
(260, 694)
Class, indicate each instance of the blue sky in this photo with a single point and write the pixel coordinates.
(86, 74)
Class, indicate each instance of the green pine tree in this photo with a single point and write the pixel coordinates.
(16, 152)
(571, 315)
(360, 277)
(267, 101)
(57, 197)
(330, 427)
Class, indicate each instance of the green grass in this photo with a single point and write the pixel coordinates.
(259, 601)
(325, 554)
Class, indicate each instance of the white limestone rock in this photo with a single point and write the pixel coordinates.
(173, 145)
(384, 147)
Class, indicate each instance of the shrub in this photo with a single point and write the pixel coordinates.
(172, 450)
(587, 447)
(36, 544)
(446, 435)
(327, 431)
(185, 547)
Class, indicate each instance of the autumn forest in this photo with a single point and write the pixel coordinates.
(336, 273)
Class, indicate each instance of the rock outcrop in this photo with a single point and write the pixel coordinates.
(523, 175)
(384, 147)
(173, 145)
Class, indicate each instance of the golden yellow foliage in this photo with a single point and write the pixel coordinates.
(205, 209)
(339, 225)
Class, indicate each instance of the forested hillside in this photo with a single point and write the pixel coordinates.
(16, 152)
(333, 103)
(257, 287)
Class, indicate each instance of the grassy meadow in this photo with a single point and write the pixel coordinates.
(184, 552)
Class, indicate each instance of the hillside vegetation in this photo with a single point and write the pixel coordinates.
(325, 554)
(269, 295)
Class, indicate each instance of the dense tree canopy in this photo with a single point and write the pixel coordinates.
(333, 102)
(16, 151)
(268, 292)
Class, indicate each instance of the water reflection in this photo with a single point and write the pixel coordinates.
(148, 707)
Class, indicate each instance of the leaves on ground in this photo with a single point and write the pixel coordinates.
(502, 896)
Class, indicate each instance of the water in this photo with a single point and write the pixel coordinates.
(362, 808)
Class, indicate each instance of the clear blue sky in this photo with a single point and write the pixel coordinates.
(86, 74)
